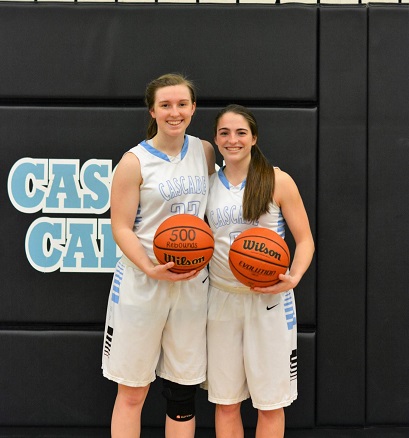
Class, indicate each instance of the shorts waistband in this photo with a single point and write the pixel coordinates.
(232, 289)
(124, 260)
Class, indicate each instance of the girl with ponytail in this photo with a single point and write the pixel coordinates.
(251, 333)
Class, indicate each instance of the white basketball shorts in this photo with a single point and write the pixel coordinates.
(252, 348)
(155, 328)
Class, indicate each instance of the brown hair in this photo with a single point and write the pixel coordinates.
(259, 190)
(166, 80)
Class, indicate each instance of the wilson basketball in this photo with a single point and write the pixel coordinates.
(257, 256)
(185, 240)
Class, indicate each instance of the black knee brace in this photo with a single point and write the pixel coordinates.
(180, 400)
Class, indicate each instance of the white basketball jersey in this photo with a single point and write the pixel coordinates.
(225, 215)
(170, 185)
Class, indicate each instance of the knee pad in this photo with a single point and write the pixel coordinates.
(180, 400)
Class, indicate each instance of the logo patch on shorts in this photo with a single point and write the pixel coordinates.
(272, 307)
(293, 365)
(108, 341)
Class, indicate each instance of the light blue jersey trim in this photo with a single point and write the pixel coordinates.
(225, 181)
(281, 226)
(160, 154)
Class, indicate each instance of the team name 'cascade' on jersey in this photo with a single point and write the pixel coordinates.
(225, 215)
(170, 185)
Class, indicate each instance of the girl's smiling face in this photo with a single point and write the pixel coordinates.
(173, 109)
(234, 137)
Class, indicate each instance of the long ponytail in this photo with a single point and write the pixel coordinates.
(259, 190)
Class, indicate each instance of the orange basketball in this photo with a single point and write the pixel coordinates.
(185, 240)
(257, 256)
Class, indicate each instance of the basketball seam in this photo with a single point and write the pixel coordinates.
(253, 257)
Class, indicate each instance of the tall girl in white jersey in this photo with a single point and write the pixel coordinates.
(156, 319)
(252, 333)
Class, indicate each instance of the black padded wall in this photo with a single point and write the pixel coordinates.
(329, 87)
(45, 371)
(388, 209)
(112, 51)
(341, 241)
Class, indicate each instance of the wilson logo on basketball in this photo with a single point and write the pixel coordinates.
(182, 261)
(251, 245)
